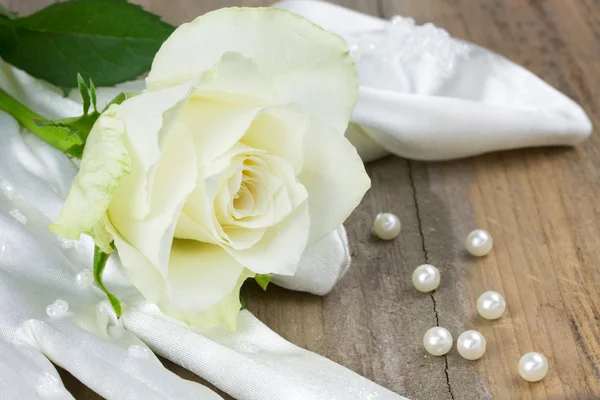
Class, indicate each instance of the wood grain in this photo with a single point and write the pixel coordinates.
(538, 204)
(541, 206)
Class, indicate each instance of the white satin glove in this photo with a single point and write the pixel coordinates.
(110, 356)
(427, 96)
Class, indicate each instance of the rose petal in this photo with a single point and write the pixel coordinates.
(306, 64)
(235, 79)
(187, 228)
(149, 118)
(295, 192)
(225, 312)
(174, 181)
(153, 286)
(243, 238)
(280, 131)
(216, 127)
(196, 220)
(200, 275)
(280, 248)
(334, 177)
(199, 220)
(145, 276)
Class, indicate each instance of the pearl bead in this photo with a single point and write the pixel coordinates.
(533, 367)
(437, 341)
(471, 345)
(479, 243)
(491, 305)
(386, 226)
(426, 278)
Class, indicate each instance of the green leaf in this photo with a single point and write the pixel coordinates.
(243, 304)
(111, 41)
(121, 97)
(100, 259)
(93, 92)
(263, 280)
(85, 94)
(78, 128)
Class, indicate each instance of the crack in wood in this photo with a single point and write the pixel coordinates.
(426, 256)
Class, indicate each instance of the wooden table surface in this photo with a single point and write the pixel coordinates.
(541, 205)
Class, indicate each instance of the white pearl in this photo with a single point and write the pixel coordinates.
(491, 305)
(58, 308)
(426, 278)
(471, 345)
(137, 351)
(386, 226)
(437, 341)
(479, 243)
(533, 367)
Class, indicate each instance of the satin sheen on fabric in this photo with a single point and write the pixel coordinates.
(416, 109)
(37, 268)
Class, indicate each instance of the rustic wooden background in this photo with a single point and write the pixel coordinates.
(541, 205)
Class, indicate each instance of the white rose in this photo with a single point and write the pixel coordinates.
(230, 164)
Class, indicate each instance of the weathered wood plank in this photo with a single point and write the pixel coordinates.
(540, 205)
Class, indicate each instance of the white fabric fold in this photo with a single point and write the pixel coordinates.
(25, 372)
(315, 274)
(252, 362)
(427, 96)
(38, 268)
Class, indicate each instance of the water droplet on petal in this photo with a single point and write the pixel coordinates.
(58, 308)
(3, 248)
(137, 351)
(85, 278)
(18, 216)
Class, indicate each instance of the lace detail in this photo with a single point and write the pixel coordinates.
(403, 41)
